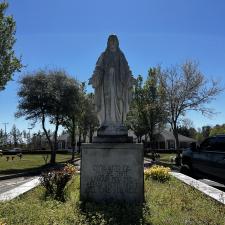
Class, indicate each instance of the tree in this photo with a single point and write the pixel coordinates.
(136, 120)
(1, 137)
(47, 94)
(88, 122)
(9, 63)
(71, 121)
(154, 103)
(15, 136)
(147, 112)
(218, 129)
(82, 119)
(187, 129)
(206, 131)
(186, 88)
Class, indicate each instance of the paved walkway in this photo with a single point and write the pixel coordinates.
(12, 188)
(6, 185)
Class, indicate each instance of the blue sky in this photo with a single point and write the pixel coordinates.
(71, 34)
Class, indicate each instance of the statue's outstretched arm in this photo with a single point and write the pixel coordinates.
(97, 76)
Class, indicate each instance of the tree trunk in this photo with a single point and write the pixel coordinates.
(175, 134)
(46, 133)
(90, 135)
(73, 138)
(177, 146)
(139, 139)
(53, 153)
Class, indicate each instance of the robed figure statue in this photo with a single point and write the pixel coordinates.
(113, 82)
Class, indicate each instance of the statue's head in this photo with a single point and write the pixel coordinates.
(113, 43)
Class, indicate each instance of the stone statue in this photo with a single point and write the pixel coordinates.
(113, 82)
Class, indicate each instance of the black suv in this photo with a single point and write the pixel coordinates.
(206, 160)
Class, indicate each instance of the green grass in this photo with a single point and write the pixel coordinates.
(170, 203)
(28, 162)
(166, 157)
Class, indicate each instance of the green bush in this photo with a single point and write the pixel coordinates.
(158, 173)
(55, 181)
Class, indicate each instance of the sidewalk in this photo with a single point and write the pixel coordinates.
(6, 185)
(12, 188)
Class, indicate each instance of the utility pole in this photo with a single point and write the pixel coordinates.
(5, 133)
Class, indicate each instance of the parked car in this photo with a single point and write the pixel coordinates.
(206, 160)
(17, 150)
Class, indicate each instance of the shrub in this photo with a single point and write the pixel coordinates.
(2, 223)
(20, 155)
(158, 173)
(55, 181)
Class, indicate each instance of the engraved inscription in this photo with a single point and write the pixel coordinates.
(109, 179)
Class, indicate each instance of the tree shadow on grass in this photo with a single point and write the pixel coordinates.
(114, 213)
(32, 171)
(23, 170)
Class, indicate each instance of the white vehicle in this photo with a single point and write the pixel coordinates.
(15, 150)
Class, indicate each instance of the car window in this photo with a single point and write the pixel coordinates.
(209, 144)
(220, 145)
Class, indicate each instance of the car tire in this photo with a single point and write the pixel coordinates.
(186, 169)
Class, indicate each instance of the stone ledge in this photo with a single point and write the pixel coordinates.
(112, 172)
(112, 145)
(204, 188)
(15, 192)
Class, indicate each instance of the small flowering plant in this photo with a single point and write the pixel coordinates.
(159, 173)
(54, 181)
(70, 169)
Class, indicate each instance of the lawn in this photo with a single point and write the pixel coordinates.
(165, 157)
(27, 162)
(170, 203)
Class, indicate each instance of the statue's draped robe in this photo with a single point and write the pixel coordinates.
(112, 81)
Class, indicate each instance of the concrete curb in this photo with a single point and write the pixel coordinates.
(15, 192)
(204, 188)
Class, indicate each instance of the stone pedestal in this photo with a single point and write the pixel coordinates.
(112, 172)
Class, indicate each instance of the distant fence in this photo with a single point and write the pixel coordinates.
(35, 152)
(147, 151)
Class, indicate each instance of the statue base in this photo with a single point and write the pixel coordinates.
(112, 129)
(112, 172)
(112, 133)
(112, 139)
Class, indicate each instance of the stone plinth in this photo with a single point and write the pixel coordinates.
(112, 172)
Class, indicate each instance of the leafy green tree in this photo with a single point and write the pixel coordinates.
(88, 121)
(47, 94)
(187, 129)
(71, 120)
(1, 137)
(188, 132)
(136, 119)
(154, 103)
(206, 131)
(147, 112)
(9, 63)
(15, 136)
(218, 129)
(83, 119)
